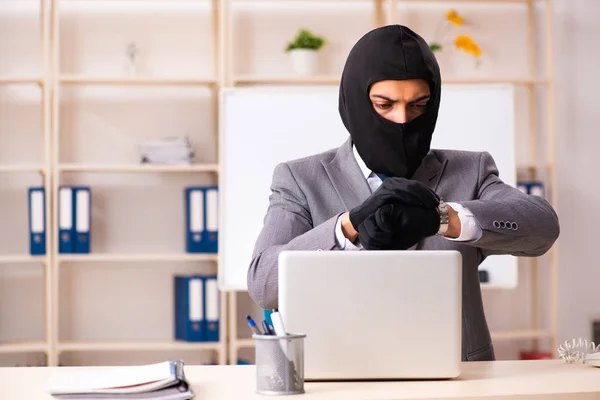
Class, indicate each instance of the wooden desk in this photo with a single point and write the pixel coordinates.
(499, 380)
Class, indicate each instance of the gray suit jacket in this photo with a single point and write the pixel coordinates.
(309, 194)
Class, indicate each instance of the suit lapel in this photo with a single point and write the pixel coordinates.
(430, 171)
(346, 177)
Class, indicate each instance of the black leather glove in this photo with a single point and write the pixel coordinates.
(394, 190)
(398, 227)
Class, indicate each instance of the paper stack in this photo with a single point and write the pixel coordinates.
(162, 381)
(167, 151)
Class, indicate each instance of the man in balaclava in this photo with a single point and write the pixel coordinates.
(391, 149)
(385, 188)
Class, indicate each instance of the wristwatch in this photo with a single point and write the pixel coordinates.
(444, 217)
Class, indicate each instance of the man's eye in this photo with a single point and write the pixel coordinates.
(383, 106)
(420, 105)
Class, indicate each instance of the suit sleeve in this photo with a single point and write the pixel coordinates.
(287, 225)
(512, 222)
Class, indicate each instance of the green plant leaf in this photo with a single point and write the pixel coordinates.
(435, 47)
(306, 40)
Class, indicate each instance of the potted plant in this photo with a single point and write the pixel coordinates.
(303, 51)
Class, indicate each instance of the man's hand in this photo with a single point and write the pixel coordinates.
(347, 229)
(398, 227)
(394, 191)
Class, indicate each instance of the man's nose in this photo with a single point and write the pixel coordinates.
(399, 115)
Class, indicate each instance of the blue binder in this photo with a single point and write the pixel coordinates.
(189, 308)
(82, 204)
(66, 215)
(536, 188)
(211, 218)
(37, 220)
(213, 308)
(194, 222)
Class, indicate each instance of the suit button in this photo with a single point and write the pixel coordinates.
(515, 226)
(496, 224)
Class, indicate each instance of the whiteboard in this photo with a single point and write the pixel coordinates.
(263, 126)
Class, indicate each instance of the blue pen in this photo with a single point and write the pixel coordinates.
(267, 328)
(253, 326)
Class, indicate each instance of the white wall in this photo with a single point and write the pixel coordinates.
(102, 122)
(577, 66)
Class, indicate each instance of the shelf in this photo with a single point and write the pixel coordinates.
(138, 168)
(137, 345)
(464, 1)
(136, 257)
(399, 1)
(22, 168)
(21, 259)
(20, 80)
(489, 286)
(240, 343)
(502, 335)
(335, 80)
(494, 81)
(287, 80)
(135, 81)
(521, 334)
(23, 347)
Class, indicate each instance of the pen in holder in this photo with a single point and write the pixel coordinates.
(279, 364)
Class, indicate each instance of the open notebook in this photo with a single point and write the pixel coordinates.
(164, 381)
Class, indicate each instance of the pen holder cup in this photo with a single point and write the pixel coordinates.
(279, 364)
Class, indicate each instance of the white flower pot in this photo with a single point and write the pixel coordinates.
(304, 61)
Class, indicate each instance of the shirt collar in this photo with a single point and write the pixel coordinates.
(363, 167)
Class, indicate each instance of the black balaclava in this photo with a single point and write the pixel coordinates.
(392, 52)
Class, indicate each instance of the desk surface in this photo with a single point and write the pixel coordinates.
(550, 379)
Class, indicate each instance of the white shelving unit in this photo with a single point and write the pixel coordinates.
(42, 168)
(53, 167)
(62, 81)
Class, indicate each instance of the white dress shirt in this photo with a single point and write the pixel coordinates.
(470, 229)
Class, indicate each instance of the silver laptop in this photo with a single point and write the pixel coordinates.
(374, 314)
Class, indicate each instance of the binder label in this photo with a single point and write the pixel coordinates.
(212, 300)
(196, 211)
(37, 212)
(212, 204)
(82, 220)
(195, 306)
(65, 201)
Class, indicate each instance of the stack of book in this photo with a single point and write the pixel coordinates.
(167, 151)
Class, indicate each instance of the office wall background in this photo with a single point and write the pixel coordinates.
(578, 122)
(96, 126)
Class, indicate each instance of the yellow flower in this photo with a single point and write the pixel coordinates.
(453, 17)
(466, 43)
(475, 50)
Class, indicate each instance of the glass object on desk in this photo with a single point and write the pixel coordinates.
(131, 51)
(279, 364)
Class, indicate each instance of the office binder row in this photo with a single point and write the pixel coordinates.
(197, 308)
(73, 220)
(202, 219)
